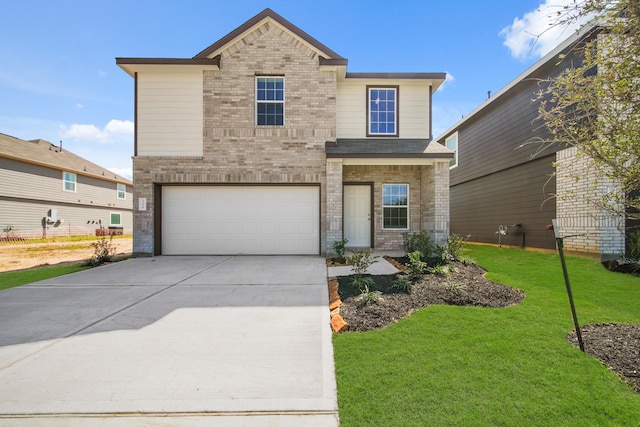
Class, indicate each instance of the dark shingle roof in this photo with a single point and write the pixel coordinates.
(389, 148)
(44, 153)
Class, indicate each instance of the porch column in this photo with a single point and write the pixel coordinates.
(334, 202)
(435, 201)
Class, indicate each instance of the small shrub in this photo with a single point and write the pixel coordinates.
(103, 251)
(416, 266)
(418, 242)
(339, 247)
(455, 245)
(440, 270)
(361, 261)
(368, 297)
(402, 284)
(454, 288)
(362, 282)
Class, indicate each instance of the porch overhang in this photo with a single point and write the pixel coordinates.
(387, 152)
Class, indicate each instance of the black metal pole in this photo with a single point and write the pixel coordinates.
(560, 244)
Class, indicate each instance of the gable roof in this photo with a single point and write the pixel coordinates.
(43, 153)
(586, 31)
(268, 14)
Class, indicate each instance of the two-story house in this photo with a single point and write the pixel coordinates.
(49, 191)
(506, 190)
(263, 143)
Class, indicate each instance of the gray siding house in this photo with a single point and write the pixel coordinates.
(502, 193)
(49, 191)
(263, 143)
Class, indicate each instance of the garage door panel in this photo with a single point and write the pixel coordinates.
(240, 220)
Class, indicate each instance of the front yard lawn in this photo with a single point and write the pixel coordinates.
(474, 366)
(10, 279)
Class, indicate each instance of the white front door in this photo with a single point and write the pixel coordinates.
(357, 215)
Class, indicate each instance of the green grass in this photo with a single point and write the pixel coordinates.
(11, 279)
(470, 366)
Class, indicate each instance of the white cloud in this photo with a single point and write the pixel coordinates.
(115, 129)
(123, 127)
(536, 33)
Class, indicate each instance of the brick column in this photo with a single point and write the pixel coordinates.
(334, 202)
(435, 201)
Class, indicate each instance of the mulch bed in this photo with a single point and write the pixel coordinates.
(465, 285)
(615, 345)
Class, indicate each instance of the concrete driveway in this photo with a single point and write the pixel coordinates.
(171, 341)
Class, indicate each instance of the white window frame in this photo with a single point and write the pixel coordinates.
(270, 101)
(396, 110)
(111, 224)
(121, 189)
(396, 206)
(74, 182)
(453, 163)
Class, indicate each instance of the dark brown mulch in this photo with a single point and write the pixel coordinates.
(464, 285)
(615, 345)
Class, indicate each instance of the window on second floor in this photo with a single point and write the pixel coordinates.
(270, 101)
(69, 181)
(382, 111)
(452, 144)
(122, 191)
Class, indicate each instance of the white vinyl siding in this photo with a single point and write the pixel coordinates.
(413, 107)
(169, 113)
(225, 220)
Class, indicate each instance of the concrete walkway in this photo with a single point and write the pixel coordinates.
(171, 341)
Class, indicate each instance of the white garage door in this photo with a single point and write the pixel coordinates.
(225, 220)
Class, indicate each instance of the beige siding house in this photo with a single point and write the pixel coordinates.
(49, 191)
(263, 143)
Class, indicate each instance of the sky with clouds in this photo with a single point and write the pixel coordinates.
(59, 81)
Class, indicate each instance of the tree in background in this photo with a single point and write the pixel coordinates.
(595, 105)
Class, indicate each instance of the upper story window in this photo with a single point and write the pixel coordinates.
(382, 111)
(452, 144)
(122, 191)
(69, 181)
(395, 206)
(270, 101)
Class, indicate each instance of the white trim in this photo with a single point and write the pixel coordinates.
(118, 191)
(455, 152)
(64, 182)
(407, 207)
(396, 111)
(274, 101)
(389, 161)
(119, 215)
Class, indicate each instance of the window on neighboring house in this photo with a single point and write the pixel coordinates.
(122, 191)
(69, 181)
(270, 101)
(382, 111)
(395, 206)
(452, 144)
(115, 219)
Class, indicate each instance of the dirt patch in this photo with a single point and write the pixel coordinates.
(19, 256)
(616, 346)
(464, 285)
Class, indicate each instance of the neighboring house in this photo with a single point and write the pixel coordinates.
(263, 143)
(49, 191)
(502, 193)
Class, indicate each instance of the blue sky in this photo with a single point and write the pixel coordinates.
(59, 81)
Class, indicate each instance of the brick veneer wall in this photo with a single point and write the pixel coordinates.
(595, 231)
(428, 199)
(236, 151)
